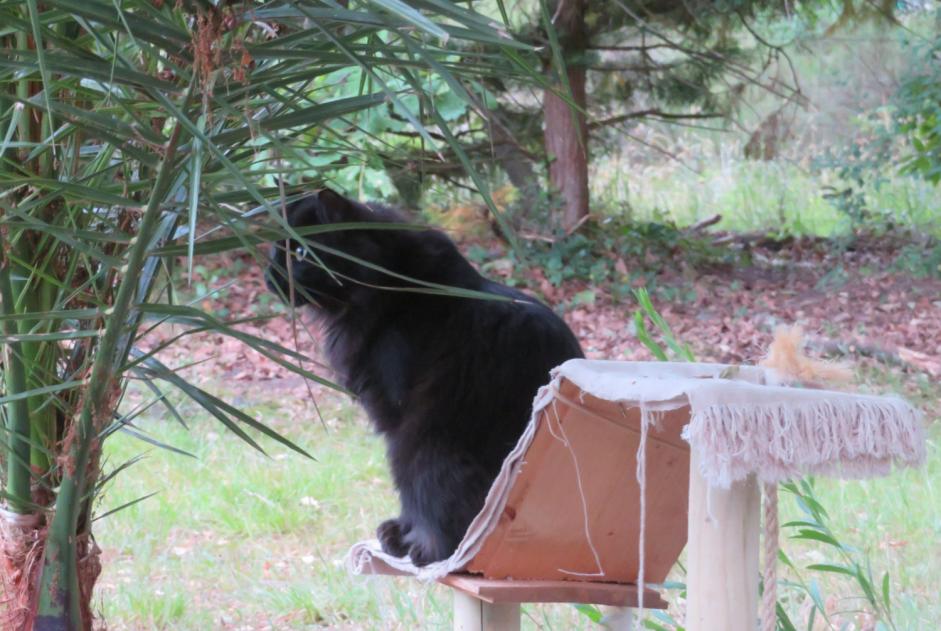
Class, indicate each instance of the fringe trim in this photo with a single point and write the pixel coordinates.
(855, 438)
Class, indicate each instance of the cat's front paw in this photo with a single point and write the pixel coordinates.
(390, 534)
(425, 551)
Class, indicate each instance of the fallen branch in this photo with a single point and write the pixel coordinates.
(648, 113)
(699, 226)
(745, 239)
(578, 224)
(901, 357)
(532, 236)
(854, 349)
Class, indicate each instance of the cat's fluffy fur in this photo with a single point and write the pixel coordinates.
(448, 381)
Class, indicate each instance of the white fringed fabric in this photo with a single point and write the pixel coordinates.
(794, 432)
(743, 421)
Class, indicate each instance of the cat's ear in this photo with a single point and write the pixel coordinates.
(324, 206)
(336, 208)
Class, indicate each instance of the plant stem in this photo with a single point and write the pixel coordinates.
(22, 93)
(42, 410)
(18, 434)
(16, 438)
(60, 606)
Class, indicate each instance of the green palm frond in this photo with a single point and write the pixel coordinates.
(139, 132)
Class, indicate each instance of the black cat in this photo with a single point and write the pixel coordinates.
(448, 381)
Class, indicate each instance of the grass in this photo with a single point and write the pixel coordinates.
(235, 539)
(893, 521)
(779, 197)
(896, 522)
(238, 540)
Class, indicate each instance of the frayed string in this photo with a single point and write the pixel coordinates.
(769, 576)
(710, 516)
(561, 437)
(641, 473)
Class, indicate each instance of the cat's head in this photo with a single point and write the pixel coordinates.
(325, 269)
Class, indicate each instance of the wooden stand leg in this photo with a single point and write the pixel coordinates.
(722, 550)
(473, 614)
(618, 619)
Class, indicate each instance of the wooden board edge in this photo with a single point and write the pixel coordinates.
(536, 591)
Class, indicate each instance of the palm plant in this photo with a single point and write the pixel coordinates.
(138, 133)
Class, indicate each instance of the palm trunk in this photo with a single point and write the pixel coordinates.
(70, 567)
(19, 527)
(17, 438)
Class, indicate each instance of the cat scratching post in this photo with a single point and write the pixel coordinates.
(722, 555)
(772, 433)
(610, 442)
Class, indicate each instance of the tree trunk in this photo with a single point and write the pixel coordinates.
(567, 148)
(566, 130)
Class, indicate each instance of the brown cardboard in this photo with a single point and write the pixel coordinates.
(545, 529)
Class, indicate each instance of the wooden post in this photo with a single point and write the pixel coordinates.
(473, 614)
(722, 551)
(619, 619)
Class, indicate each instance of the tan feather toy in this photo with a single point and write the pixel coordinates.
(786, 355)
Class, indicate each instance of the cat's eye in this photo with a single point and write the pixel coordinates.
(299, 253)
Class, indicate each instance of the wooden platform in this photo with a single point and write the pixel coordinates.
(530, 591)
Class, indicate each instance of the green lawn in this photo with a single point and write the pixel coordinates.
(755, 197)
(896, 520)
(235, 539)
